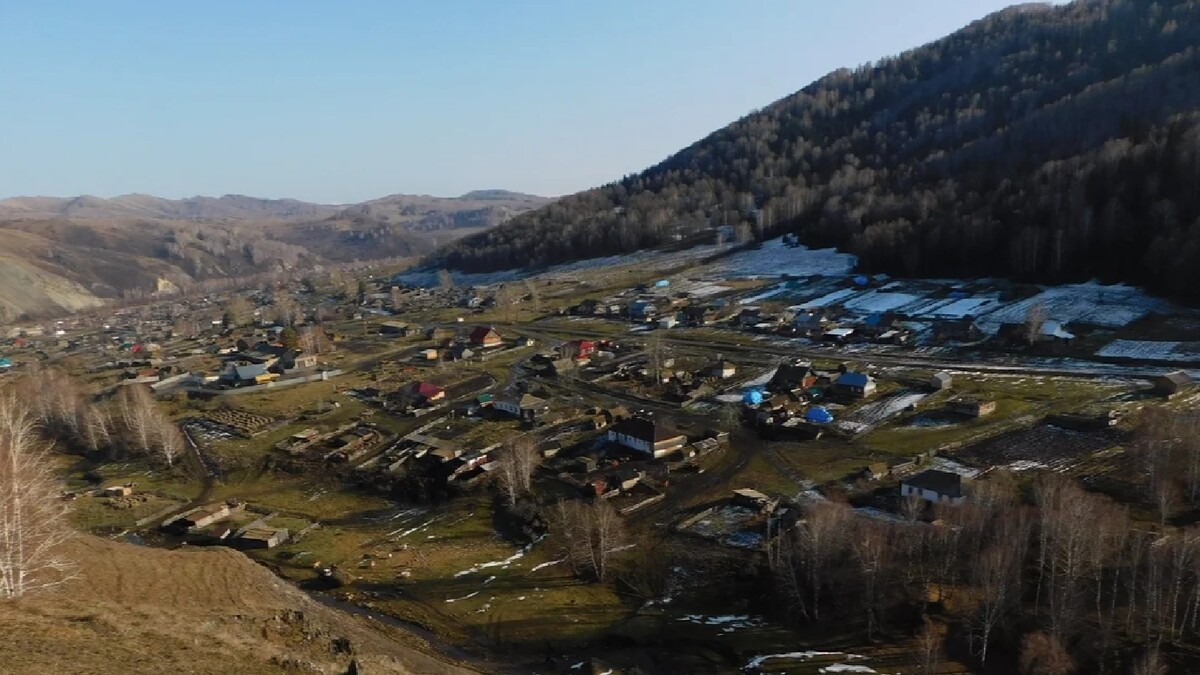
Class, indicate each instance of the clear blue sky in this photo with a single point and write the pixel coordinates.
(346, 101)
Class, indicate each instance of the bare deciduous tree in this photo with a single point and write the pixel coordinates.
(1035, 320)
(591, 534)
(139, 418)
(32, 517)
(517, 463)
(445, 279)
(170, 441)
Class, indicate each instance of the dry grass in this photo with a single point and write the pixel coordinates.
(141, 610)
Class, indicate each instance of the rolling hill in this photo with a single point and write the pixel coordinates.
(1046, 143)
(134, 609)
(70, 254)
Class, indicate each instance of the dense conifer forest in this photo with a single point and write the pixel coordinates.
(1042, 143)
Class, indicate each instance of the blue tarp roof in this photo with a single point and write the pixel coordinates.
(818, 415)
(5, 363)
(752, 396)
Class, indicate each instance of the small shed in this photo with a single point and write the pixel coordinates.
(1171, 384)
(940, 381)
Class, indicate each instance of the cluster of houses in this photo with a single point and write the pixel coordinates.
(262, 362)
(223, 523)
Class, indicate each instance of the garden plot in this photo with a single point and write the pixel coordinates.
(872, 414)
(957, 308)
(1151, 350)
(1108, 306)
(731, 525)
(873, 302)
(1041, 447)
(206, 432)
(775, 258)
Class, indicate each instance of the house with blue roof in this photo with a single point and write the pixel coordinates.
(854, 385)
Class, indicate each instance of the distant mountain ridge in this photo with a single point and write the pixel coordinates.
(1048, 143)
(74, 253)
(229, 207)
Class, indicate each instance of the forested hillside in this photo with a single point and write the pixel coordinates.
(1042, 143)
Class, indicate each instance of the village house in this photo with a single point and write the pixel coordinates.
(578, 349)
(261, 536)
(243, 373)
(528, 407)
(749, 317)
(810, 322)
(940, 381)
(721, 370)
(460, 352)
(1171, 384)
(972, 407)
(203, 516)
(440, 333)
(934, 486)
(854, 385)
(396, 328)
(642, 310)
(837, 334)
(427, 391)
(647, 435)
(588, 308)
(957, 330)
(486, 337)
(790, 377)
(699, 315)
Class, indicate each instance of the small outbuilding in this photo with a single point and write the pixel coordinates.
(940, 381)
(1172, 383)
(934, 486)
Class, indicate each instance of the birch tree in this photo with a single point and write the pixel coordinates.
(32, 516)
(517, 463)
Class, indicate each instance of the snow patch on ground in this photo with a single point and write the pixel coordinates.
(1091, 303)
(800, 656)
(730, 621)
(950, 466)
(1151, 350)
(876, 302)
(542, 566)
(874, 413)
(774, 258)
(846, 668)
(468, 596)
(827, 299)
(495, 563)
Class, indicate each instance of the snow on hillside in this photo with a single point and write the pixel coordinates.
(774, 259)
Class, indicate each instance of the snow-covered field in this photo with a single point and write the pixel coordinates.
(874, 413)
(876, 301)
(1092, 303)
(1148, 350)
(827, 299)
(774, 258)
(958, 308)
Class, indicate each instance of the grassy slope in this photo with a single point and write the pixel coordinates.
(142, 610)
